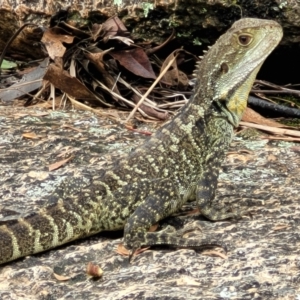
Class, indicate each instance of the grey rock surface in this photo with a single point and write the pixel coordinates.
(262, 261)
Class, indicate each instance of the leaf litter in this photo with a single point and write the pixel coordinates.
(99, 66)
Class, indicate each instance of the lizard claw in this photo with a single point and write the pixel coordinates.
(131, 255)
(134, 250)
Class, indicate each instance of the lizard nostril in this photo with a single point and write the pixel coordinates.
(224, 68)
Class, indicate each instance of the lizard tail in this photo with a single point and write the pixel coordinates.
(46, 229)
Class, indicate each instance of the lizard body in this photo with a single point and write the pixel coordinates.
(180, 162)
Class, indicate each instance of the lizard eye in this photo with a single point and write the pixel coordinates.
(245, 39)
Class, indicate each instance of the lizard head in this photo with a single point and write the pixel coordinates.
(234, 61)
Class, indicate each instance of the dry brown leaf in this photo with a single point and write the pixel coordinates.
(113, 26)
(96, 31)
(53, 40)
(30, 135)
(59, 164)
(252, 116)
(122, 250)
(214, 253)
(272, 157)
(136, 61)
(108, 79)
(70, 85)
(281, 226)
(122, 39)
(61, 277)
(174, 77)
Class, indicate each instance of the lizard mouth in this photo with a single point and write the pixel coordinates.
(232, 116)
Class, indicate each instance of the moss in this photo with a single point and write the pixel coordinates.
(147, 7)
(250, 134)
(291, 122)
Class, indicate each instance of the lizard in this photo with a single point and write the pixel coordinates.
(180, 162)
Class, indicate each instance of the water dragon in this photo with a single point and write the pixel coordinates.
(180, 162)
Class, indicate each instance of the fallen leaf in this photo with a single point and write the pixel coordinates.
(214, 253)
(122, 250)
(61, 277)
(96, 31)
(174, 77)
(70, 85)
(53, 40)
(136, 61)
(271, 157)
(113, 26)
(252, 116)
(30, 135)
(282, 226)
(59, 164)
(122, 39)
(108, 79)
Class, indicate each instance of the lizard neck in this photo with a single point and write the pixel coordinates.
(231, 108)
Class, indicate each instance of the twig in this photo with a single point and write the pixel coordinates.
(285, 91)
(152, 50)
(151, 103)
(272, 129)
(279, 89)
(151, 88)
(11, 40)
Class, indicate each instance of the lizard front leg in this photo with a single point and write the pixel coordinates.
(205, 194)
(155, 207)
